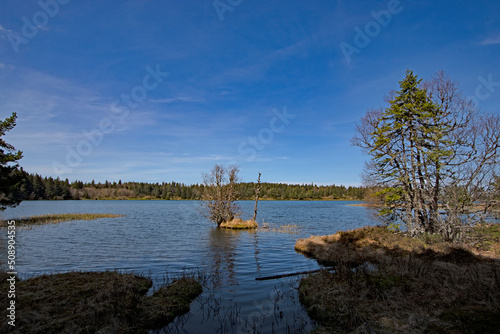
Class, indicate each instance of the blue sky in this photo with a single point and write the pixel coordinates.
(163, 90)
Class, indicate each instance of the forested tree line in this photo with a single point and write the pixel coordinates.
(37, 187)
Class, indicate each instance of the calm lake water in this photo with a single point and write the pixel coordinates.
(163, 238)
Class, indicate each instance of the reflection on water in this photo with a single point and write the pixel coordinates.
(257, 252)
(156, 237)
(223, 251)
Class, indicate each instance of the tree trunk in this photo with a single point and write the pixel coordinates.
(257, 190)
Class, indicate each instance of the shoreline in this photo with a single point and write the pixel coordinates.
(192, 200)
(386, 282)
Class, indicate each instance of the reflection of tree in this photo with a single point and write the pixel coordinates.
(257, 252)
(223, 247)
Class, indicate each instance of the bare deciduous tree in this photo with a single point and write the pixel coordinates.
(220, 194)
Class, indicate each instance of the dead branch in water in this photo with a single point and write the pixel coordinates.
(292, 274)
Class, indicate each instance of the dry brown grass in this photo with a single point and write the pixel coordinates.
(239, 224)
(58, 218)
(90, 302)
(389, 283)
(370, 243)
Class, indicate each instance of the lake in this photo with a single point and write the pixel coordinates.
(163, 238)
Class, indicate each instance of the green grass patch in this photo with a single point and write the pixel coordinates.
(58, 218)
(95, 302)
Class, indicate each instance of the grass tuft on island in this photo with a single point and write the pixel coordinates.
(239, 224)
(90, 302)
(58, 218)
(387, 282)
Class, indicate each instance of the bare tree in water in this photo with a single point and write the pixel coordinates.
(220, 194)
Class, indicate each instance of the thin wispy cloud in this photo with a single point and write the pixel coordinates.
(7, 66)
(176, 99)
(43, 138)
(256, 66)
(491, 40)
(41, 99)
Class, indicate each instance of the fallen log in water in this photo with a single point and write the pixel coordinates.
(291, 274)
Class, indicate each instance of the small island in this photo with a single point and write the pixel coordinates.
(239, 224)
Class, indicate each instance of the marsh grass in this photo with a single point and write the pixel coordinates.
(58, 218)
(239, 224)
(386, 282)
(90, 302)
(287, 228)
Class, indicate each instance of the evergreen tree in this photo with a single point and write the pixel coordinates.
(26, 185)
(10, 176)
(421, 149)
